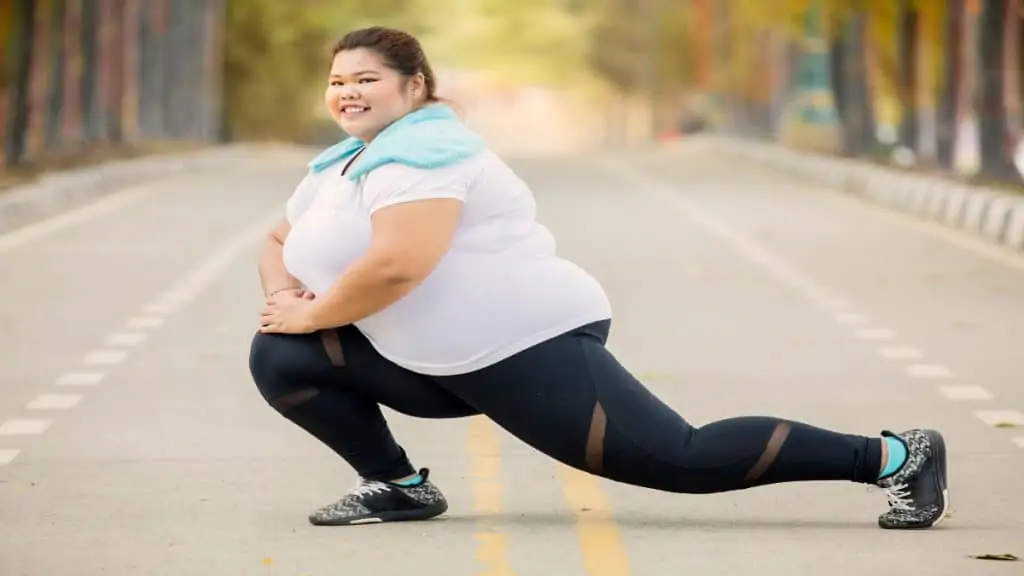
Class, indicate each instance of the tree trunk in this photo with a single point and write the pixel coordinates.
(19, 86)
(908, 42)
(951, 76)
(855, 103)
(996, 152)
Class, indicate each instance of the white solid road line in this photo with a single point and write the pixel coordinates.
(979, 246)
(191, 285)
(63, 221)
(781, 271)
(200, 277)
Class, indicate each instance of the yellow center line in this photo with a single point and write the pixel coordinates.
(604, 553)
(485, 451)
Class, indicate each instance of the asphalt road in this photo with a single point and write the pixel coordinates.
(132, 441)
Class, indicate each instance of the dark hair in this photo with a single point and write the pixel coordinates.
(400, 51)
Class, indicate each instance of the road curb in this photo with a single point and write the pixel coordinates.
(59, 191)
(992, 214)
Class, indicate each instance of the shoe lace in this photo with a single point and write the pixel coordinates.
(899, 497)
(368, 488)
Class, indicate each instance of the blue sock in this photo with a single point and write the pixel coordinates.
(897, 456)
(414, 481)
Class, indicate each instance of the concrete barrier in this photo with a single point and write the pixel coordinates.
(993, 214)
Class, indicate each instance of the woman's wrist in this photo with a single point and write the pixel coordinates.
(276, 291)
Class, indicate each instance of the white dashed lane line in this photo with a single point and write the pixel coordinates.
(55, 402)
(24, 427)
(832, 304)
(125, 339)
(87, 378)
(117, 345)
(966, 393)
(901, 353)
(104, 357)
(852, 319)
(144, 322)
(1001, 418)
(842, 309)
(929, 371)
(875, 334)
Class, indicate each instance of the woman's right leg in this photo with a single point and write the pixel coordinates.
(331, 384)
(569, 398)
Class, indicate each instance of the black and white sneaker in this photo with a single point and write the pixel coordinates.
(918, 492)
(372, 501)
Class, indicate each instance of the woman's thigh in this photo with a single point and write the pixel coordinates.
(344, 358)
(571, 399)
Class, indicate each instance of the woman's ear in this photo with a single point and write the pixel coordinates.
(418, 83)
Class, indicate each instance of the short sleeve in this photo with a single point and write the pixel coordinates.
(396, 183)
(300, 199)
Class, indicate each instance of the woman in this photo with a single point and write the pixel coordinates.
(410, 272)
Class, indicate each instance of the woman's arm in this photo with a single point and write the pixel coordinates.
(273, 275)
(408, 241)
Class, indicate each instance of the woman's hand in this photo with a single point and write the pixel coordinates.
(288, 312)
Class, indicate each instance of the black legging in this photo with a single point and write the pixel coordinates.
(567, 397)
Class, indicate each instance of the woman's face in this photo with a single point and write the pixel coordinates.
(364, 96)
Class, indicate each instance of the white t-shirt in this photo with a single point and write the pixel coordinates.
(498, 290)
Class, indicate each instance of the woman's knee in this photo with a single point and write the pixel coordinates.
(283, 364)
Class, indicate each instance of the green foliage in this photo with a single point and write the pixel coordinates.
(277, 52)
(628, 41)
(6, 38)
(618, 46)
(277, 57)
(518, 41)
(675, 62)
(274, 54)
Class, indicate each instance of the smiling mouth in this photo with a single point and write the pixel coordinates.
(351, 110)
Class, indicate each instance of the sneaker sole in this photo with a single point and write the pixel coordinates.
(939, 450)
(418, 514)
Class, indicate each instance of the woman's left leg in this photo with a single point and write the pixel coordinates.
(569, 398)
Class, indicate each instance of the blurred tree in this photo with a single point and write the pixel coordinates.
(997, 137)
(276, 58)
(676, 62)
(633, 44)
(907, 69)
(952, 40)
(6, 17)
(617, 47)
(16, 23)
(6, 62)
